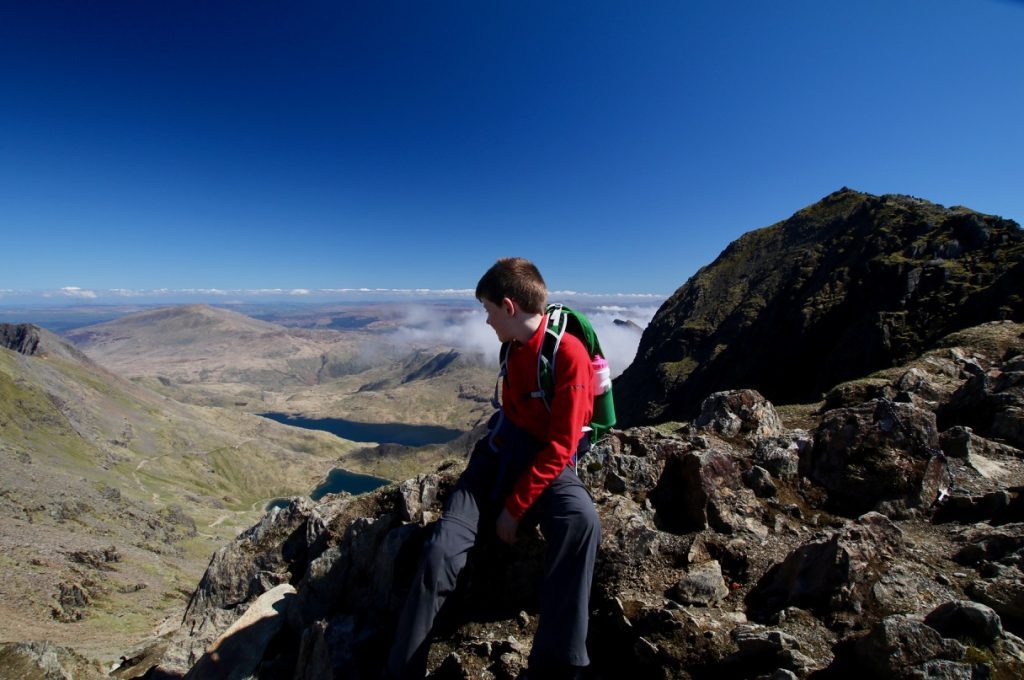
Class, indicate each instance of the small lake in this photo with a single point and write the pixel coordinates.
(379, 433)
(337, 481)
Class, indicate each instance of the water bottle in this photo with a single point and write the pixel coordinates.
(604, 403)
(602, 375)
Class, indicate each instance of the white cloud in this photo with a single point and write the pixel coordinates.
(76, 292)
(465, 330)
(619, 341)
(425, 325)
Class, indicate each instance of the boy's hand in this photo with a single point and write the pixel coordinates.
(507, 527)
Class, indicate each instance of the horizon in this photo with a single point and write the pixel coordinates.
(202, 148)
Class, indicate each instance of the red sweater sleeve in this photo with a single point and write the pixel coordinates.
(572, 407)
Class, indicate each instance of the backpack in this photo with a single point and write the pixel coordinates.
(560, 320)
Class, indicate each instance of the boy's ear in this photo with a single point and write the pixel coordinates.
(509, 305)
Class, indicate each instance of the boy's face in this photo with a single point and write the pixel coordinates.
(500, 317)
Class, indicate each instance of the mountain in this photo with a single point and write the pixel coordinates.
(112, 496)
(218, 353)
(844, 287)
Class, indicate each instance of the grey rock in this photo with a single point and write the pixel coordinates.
(739, 413)
(898, 643)
(689, 484)
(46, 661)
(702, 585)
(831, 574)
(965, 619)
(1004, 594)
(941, 669)
(760, 482)
(237, 652)
(779, 674)
(872, 453)
(417, 495)
(781, 455)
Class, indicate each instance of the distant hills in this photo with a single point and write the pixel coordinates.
(213, 356)
(844, 287)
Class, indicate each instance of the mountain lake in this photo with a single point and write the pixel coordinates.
(339, 480)
(378, 433)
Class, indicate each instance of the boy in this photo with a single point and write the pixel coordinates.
(524, 465)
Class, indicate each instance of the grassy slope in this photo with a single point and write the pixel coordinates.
(89, 461)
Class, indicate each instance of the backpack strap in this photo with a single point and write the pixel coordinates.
(558, 322)
(502, 372)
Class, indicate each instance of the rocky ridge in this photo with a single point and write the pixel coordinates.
(852, 284)
(886, 540)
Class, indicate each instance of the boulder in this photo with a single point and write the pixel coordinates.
(963, 619)
(763, 648)
(270, 553)
(1004, 593)
(739, 413)
(703, 585)
(760, 482)
(239, 649)
(992, 404)
(43, 661)
(690, 488)
(898, 643)
(781, 455)
(417, 495)
(872, 453)
(830, 575)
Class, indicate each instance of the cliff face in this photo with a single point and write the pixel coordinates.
(847, 286)
(21, 338)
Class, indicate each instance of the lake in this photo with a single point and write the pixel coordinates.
(337, 481)
(379, 433)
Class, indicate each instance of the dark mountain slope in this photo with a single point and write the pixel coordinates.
(849, 285)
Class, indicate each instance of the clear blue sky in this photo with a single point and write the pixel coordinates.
(621, 145)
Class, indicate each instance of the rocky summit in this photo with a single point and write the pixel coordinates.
(850, 285)
(885, 538)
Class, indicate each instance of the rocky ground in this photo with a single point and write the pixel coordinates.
(884, 539)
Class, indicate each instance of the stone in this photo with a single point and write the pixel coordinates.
(834, 573)
(237, 651)
(703, 585)
(45, 660)
(689, 484)
(417, 495)
(898, 643)
(760, 482)
(871, 453)
(781, 455)
(965, 619)
(941, 669)
(991, 404)
(739, 413)
(1004, 594)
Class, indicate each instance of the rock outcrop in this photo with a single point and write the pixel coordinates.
(21, 338)
(702, 572)
(850, 285)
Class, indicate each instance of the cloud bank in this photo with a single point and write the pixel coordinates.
(425, 325)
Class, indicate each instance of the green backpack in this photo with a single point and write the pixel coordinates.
(560, 320)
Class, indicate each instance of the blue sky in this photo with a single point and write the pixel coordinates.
(324, 145)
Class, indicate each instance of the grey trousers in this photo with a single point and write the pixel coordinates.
(572, 531)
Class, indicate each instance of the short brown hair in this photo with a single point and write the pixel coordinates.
(517, 279)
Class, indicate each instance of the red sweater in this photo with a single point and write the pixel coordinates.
(572, 406)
